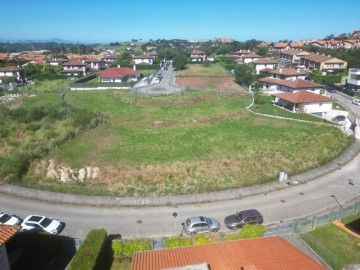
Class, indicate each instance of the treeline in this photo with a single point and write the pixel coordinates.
(50, 46)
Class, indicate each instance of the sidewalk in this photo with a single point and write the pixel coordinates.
(350, 153)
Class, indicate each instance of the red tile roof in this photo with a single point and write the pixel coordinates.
(281, 45)
(143, 56)
(118, 72)
(287, 71)
(294, 84)
(251, 55)
(197, 52)
(6, 232)
(10, 69)
(303, 97)
(259, 253)
(297, 44)
(264, 61)
(263, 44)
(74, 63)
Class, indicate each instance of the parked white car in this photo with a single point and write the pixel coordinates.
(6, 219)
(41, 224)
(356, 101)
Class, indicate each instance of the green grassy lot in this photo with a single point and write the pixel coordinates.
(194, 142)
(198, 70)
(334, 245)
(42, 86)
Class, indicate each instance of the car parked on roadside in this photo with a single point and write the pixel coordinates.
(7, 219)
(239, 219)
(201, 224)
(42, 224)
(356, 101)
(339, 118)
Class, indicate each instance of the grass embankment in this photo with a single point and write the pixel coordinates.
(334, 245)
(195, 142)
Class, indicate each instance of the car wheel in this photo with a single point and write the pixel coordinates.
(215, 230)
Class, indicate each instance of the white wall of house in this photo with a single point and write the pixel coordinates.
(321, 107)
(247, 60)
(354, 76)
(111, 79)
(269, 88)
(259, 67)
(144, 60)
(14, 74)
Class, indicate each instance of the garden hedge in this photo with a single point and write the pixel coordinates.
(88, 257)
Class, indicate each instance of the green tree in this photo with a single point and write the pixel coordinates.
(32, 70)
(118, 248)
(245, 74)
(47, 69)
(179, 61)
(262, 50)
(251, 231)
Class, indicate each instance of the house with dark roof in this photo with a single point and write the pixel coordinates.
(75, 68)
(14, 72)
(304, 101)
(274, 86)
(284, 73)
(292, 55)
(262, 63)
(6, 233)
(249, 254)
(119, 75)
(324, 63)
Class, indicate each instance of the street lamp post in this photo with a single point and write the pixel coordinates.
(336, 200)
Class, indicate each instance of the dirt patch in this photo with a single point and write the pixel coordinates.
(224, 84)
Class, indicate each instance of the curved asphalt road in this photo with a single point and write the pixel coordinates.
(283, 205)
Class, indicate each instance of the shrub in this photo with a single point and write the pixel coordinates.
(251, 231)
(132, 246)
(89, 254)
(117, 248)
(202, 239)
(178, 241)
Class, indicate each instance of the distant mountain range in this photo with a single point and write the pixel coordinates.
(29, 41)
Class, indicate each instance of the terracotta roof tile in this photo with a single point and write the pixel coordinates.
(117, 72)
(303, 97)
(11, 69)
(264, 61)
(74, 63)
(6, 232)
(263, 44)
(287, 71)
(260, 254)
(294, 84)
(251, 55)
(281, 45)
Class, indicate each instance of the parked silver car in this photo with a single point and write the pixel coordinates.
(200, 224)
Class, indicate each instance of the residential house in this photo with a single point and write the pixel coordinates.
(284, 73)
(325, 64)
(296, 45)
(274, 86)
(351, 44)
(96, 64)
(110, 59)
(353, 79)
(281, 46)
(57, 61)
(292, 55)
(263, 63)
(240, 53)
(198, 56)
(143, 59)
(355, 34)
(14, 72)
(119, 75)
(263, 44)
(304, 101)
(247, 58)
(154, 54)
(6, 233)
(75, 68)
(249, 254)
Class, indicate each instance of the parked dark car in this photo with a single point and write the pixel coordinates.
(241, 218)
(339, 118)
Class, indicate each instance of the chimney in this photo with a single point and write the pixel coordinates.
(134, 67)
(118, 66)
(280, 70)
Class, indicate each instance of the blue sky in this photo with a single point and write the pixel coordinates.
(121, 20)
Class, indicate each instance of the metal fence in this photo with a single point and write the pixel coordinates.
(306, 224)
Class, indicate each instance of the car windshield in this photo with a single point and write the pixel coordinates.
(208, 221)
(188, 222)
(4, 218)
(238, 215)
(46, 222)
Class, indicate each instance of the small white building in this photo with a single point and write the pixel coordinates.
(263, 63)
(304, 101)
(197, 56)
(247, 58)
(119, 75)
(353, 79)
(143, 59)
